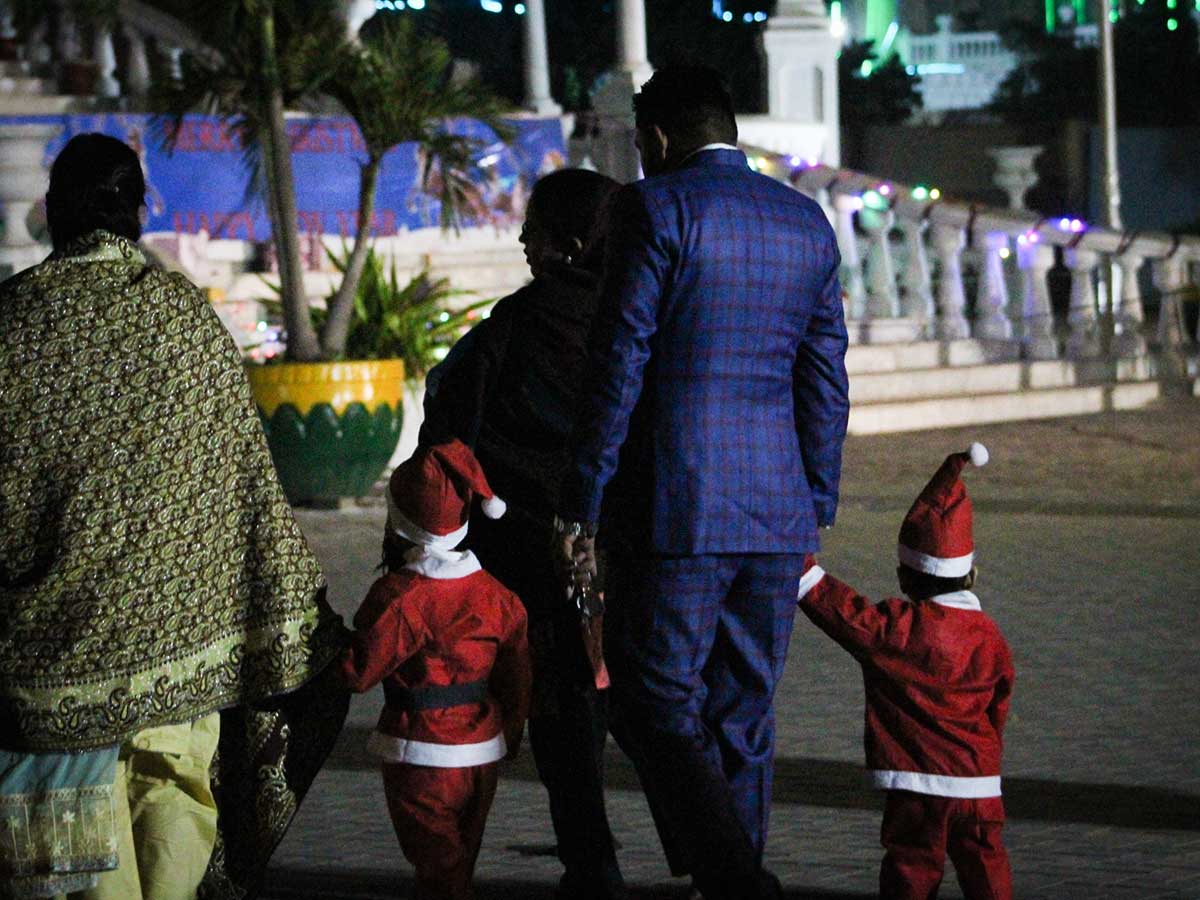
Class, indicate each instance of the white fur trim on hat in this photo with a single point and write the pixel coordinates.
(494, 507)
(979, 454)
(411, 531)
(943, 567)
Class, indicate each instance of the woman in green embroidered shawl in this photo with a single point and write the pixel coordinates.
(164, 636)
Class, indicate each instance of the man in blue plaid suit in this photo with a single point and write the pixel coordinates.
(708, 453)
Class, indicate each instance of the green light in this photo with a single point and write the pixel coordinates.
(865, 69)
(1050, 14)
(920, 192)
(1114, 16)
(1172, 24)
(1080, 11)
(1171, 4)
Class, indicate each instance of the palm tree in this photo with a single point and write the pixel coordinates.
(398, 85)
(270, 55)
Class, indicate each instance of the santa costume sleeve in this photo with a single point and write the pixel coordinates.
(386, 633)
(998, 709)
(512, 673)
(851, 619)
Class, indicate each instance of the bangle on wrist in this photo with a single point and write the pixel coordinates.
(574, 529)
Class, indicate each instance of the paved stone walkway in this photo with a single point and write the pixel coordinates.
(1088, 534)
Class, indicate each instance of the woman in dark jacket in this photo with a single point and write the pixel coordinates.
(509, 390)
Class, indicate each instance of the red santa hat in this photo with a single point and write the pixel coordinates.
(430, 493)
(937, 534)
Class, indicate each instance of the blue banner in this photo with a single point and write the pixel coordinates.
(203, 183)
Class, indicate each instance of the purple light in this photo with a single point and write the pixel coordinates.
(885, 190)
(812, 162)
(795, 161)
(1064, 223)
(1077, 226)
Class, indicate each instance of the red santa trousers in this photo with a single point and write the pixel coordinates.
(439, 816)
(919, 830)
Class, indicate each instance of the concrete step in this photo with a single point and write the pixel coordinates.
(25, 85)
(14, 68)
(884, 331)
(894, 356)
(995, 378)
(1011, 406)
(43, 104)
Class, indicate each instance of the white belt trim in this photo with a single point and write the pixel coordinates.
(411, 531)
(809, 580)
(937, 785)
(941, 566)
(441, 756)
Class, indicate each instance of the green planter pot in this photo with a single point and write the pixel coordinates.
(331, 427)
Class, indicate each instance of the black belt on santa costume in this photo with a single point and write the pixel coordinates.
(437, 696)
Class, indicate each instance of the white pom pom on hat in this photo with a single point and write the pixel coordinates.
(494, 507)
(979, 454)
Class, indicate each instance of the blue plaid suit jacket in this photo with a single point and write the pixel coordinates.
(717, 401)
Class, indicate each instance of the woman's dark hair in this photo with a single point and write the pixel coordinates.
(691, 104)
(96, 182)
(570, 204)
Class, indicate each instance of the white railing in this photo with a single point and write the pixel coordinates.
(919, 268)
(121, 54)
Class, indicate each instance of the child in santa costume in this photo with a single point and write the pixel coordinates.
(938, 676)
(448, 642)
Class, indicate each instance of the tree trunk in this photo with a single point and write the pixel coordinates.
(341, 307)
(302, 344)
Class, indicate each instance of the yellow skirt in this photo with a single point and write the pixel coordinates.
(166, 817)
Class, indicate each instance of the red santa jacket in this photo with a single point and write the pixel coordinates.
(442, 630)
(938, 676)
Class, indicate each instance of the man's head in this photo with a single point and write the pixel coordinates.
(96, 183)
(679, 110)
(921, 585)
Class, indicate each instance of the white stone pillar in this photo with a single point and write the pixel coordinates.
(631, 41)
(67, 43)
(1015, 174)
(1084, 341)
(37, 51)
(138, 76)
(537, 61)
(845, 206)
(1170, 277)
(1036, 259)
(175, 62)
(991, 302)
(802, 74)
(883, 300)
(948, 243)
(22, 184)
(105, 56)
(918, 286)
(1130, 315)
(356, 13)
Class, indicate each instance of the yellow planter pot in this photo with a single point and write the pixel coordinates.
(331, 426)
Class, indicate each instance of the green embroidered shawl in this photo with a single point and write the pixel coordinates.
(150, 568)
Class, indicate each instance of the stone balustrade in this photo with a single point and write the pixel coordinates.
(920, 268)
(119, 55)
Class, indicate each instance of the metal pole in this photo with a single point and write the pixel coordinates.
(1112, 274)
(1108, 117)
